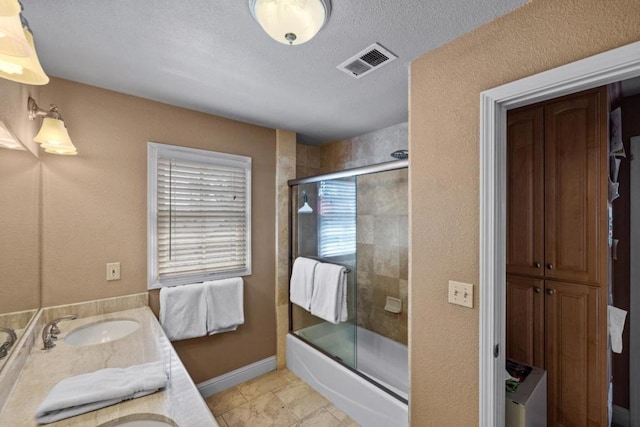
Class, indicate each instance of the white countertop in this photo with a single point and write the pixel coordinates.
(180, 401)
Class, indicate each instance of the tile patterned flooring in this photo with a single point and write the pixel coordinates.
(278, 398)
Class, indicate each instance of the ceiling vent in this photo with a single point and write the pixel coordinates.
(364, 62)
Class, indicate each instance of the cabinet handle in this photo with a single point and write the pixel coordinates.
(550, 266)
(536, 264)
(551, 291)
(537, 290)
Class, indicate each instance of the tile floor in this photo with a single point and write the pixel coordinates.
(278, 398)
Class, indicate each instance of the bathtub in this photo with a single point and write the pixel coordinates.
(379, 358)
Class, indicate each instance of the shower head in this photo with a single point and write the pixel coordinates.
(400, 154)
(305, 209)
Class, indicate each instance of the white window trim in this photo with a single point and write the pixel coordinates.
(186, 153)
(608, 67)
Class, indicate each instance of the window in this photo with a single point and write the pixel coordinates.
(199, 205)
(337, 218)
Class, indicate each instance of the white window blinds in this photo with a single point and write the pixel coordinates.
(202, 215)
(337, 218)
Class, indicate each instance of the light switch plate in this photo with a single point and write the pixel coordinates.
(461, 293)
(113, 271)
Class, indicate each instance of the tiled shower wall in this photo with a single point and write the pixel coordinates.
(382, 251)
(368, 149)
(382, 244)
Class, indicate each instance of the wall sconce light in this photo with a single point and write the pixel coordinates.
(18, 58)
(291, 21)
(53, 135)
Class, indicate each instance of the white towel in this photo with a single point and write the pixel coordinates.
(329, 298)
(88, 392)
(224, 305)
(617, 318)
(183, 311)
(301, 287)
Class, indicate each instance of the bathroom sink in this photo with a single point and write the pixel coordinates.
(101, 332)
(141, 420)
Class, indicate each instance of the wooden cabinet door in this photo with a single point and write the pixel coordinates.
(525, 192)
(576, 355)
(575, 187)
(525, 320)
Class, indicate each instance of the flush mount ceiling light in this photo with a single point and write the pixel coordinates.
(53, 135)
(291, 22)
(18, 58)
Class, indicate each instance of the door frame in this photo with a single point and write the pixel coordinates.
(618, 64)
(634, 297)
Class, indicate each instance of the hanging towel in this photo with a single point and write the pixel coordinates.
(224, 305)
(617, 318)
(183, 311)
(301, 285)
(87, 392)
(329, 298)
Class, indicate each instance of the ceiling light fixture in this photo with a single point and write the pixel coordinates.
(291, 21)
(18, 58)
(53, 135)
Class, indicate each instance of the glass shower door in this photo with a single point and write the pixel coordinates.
(324, 224)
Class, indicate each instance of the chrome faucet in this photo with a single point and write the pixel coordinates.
(11, 339)
(51, 330)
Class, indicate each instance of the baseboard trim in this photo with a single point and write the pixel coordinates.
(621, 416)
(240, 375)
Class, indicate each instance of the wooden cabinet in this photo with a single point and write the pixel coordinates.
(525, 192)
(575, 358)
(556, 189)
(575, 188)
(557, 168)
(525, 320)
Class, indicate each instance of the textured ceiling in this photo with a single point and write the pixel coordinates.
(211, 56)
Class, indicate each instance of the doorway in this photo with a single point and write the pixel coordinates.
(616, 65)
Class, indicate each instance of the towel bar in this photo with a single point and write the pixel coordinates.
(347, 270)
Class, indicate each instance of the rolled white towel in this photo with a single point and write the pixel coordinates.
(88, 392)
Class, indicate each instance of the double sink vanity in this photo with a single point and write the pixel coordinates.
(112, 333)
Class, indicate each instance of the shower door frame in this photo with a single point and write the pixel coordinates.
(347, 173)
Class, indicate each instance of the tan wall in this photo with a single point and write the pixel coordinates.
(95, 211)
(19, 231)
(444, 178)
(19, 205)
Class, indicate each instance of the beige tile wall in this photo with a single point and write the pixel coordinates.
(382, 240)
(285, 170)
(307, 160)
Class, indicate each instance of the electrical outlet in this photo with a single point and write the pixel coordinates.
(113, 271)
(461, 293)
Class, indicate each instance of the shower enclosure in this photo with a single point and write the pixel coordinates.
(358, 219)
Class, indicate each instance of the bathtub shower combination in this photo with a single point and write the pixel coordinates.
(358, 219)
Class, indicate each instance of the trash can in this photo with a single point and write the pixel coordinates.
(526, 400)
